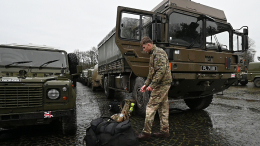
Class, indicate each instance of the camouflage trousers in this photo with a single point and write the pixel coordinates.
(158, 101)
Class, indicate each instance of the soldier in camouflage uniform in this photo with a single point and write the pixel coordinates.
(158, 82)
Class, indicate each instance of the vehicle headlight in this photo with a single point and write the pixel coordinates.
(53, 94)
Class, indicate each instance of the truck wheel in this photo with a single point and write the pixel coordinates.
(69, 123)
(73, 62)
(257, 82)
(141, 98)
(88, 84)
(108, 92)
(199, 103)
(235, 83)
(243, 83)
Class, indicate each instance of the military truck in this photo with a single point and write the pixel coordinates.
(238, 43)
(199, 43)
(36, 87)
(96, 81)
(253, 73)
(88, 78)
(83, 78)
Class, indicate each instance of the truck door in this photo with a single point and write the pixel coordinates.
(131, 26)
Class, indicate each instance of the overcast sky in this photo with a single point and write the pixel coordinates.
(82, 24)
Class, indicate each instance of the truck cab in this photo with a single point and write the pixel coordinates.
(96, 79)
(240, 45)
(197, 39)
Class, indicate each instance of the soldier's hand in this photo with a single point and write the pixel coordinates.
(149, 88)
(143, 88)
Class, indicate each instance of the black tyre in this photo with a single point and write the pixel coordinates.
(108, 92)
(236, 83)
(73, 62)
(257, 82)
(88, 84)
(69, 123)
(243, 83)
(199, 103)
(142, 98)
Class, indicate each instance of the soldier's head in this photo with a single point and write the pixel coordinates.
(147, 44)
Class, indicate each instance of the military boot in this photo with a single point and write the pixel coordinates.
(144, 136)
(161, 134)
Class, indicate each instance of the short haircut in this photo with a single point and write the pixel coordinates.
(146, 40)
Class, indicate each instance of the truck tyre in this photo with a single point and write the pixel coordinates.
(236, 83)
(69, 123)
(243, 83)
(73, 62)
(257, 82)
(108, 92)
(199, 103)
(88, 84)
(141, 98)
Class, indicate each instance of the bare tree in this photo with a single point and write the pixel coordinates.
(87, 59)
(250, 54)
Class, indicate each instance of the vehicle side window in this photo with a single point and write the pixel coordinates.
(135, 26)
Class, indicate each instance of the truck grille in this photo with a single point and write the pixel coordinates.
(21, 96)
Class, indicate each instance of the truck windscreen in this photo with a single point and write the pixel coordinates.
(185, 30)
(217, 36)
(35, 58)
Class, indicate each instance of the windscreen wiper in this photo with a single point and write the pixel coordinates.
(46, 63)
(193, 42)
(19, 62)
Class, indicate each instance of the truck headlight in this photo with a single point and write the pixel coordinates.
(53, 94)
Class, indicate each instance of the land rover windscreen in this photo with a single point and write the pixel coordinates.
(12, 57)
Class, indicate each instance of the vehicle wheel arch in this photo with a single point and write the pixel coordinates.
(257, 82)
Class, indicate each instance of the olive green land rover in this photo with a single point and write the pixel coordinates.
(88, 78)
(37, 86)
(253, 73)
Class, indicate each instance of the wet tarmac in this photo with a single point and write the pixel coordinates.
(232, 119)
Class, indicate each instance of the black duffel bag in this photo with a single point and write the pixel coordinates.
(107, 132)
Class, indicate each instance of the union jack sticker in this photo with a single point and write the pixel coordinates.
(48, 114)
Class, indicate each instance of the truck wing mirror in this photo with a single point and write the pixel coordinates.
(245, 39)
(245, 31)
(245, 42)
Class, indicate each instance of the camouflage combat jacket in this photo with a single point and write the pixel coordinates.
(159, 68)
